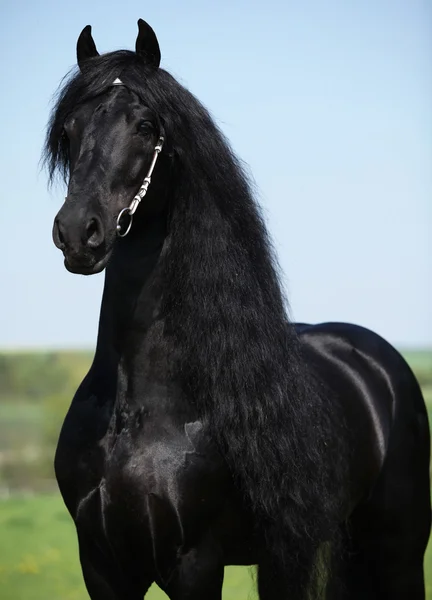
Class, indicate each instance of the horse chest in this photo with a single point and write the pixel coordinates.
(146, 478)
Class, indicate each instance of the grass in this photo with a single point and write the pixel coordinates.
(39, 556)
(420, 360)
(19, 421)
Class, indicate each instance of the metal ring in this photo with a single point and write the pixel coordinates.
(121, 213)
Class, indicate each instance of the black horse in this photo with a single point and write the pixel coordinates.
(210, 430)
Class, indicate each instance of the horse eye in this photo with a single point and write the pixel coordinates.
(145, 126)
(64, 134)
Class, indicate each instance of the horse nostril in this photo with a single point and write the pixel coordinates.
(61, 237)
(94, 233)
(92, 228)
(58, 236)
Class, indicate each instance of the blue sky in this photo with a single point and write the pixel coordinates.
(329, 104)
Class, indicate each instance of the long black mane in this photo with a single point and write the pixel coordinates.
(240, 359)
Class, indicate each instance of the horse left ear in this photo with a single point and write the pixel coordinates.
(86, 48)
(147, 45)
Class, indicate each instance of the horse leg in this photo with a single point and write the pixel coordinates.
(103, 578)
(272, 583)
(198, 575)
(389, 562)
(384, 570)
(292, 582)
(391, 529)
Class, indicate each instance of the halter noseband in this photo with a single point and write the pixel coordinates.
(131, 209)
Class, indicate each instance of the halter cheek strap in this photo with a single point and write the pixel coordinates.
(130, 210)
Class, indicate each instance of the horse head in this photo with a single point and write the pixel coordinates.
(108, 139)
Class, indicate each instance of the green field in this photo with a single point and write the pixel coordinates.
(39, 556)
(38, 549)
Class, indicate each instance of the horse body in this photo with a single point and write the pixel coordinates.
(161, 505)
(210, 430)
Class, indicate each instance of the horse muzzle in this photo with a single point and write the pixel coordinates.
(81, 238)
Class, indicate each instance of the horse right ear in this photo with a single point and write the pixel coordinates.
(86, 48)
(147, 45)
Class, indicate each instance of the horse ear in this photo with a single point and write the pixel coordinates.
(147, 45)
(86, 47)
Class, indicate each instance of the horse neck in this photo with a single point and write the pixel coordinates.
(128, 326)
